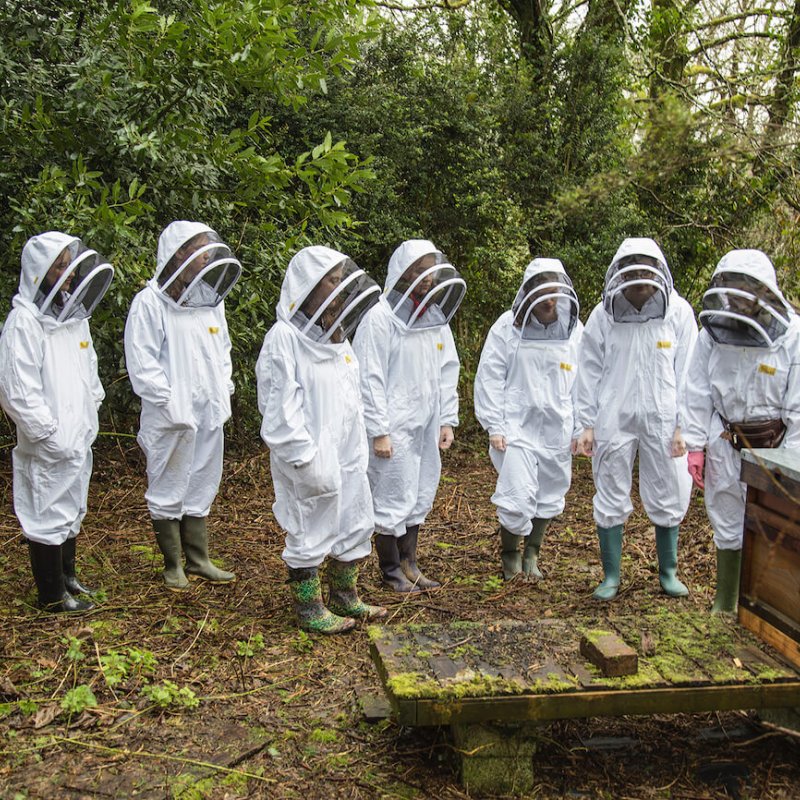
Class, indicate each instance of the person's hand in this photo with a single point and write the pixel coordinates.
(584, 444)
(696, 462)
(678, 445)
(445, 437)
(382, 446)
(498, 442)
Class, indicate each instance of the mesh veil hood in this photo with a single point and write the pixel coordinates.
(306, 269)
(38, 256)
(753, 263)
(173, 237)
(404, 256)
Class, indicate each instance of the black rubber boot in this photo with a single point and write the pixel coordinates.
(407, 548)
(71, 582)
(49, 576)
(389, 561)
(308, 606)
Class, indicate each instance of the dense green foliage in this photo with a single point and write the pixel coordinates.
(501, 130)
(118, 118)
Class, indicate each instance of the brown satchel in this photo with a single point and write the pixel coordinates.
(767, 433)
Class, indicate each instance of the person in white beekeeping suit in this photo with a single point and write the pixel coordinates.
(409, 377)
(178, 355)
(635, 353)
(743, 390)
(523, 399)
(49, 386)
(313, 424)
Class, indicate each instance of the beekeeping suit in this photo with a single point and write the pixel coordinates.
(523, 399)
(178, 354)
(313, 423)
(743, 390)
(634, 356)
(49, 386)
(409, 376)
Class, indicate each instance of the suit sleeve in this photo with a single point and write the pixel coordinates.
(448, 386)
(590, 370)
(697, 405)
(144, 337)
(280, 401)
(21, 391)
(227, 365)
(791, 399)
(372, 346)
(686, 336)
(98, 392)
(490, 383)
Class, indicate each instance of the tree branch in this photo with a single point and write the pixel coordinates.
(447, 5)
(733, 37)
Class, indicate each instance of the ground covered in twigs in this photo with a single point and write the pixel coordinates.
(215, 693)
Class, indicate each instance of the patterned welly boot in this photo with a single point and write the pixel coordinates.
(311, 613)
(343, 598)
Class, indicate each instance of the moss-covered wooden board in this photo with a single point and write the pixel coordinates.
(513, 671)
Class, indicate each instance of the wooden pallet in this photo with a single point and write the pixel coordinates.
(511, 671)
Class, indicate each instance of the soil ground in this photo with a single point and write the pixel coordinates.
(214, 692)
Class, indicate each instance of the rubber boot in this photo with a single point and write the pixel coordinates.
(343, 598)
(48, 572)
(610, 555)
(168, 539)
(510, 554)
(667, 549)
(194, 538)
(407, 547)
(71, 582)
(311, 613)
(533, 544)
(389, 561)
(729, 565)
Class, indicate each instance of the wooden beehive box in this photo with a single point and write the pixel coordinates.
(769, 591)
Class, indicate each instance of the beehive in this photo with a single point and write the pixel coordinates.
(769, 591)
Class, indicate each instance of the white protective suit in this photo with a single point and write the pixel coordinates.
(631, 378)
(523, 392)
(741, 384)
(409, 380)
(50, 387)
(179, 363)
(313, 424)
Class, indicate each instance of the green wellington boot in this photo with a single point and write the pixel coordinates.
(168, 538)
(194, 538)
(610, 555)
(533, 544)
(343, 599)
(49, 576)
(510, 555)
(311, 613)
(667, 549)
(74, 586)
(729, 565)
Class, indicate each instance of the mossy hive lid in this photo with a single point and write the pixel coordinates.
(442, 669)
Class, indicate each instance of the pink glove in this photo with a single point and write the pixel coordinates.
(696, 461)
